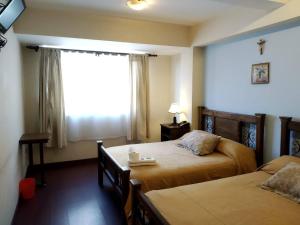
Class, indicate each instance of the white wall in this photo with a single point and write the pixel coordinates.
(227, 84)
(187, 77)
(159, 94)
(182, 82)
(160, 99)
(197, 91)
(12, 159)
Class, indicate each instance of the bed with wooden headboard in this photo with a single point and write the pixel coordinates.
(245, 129)
(242, 196)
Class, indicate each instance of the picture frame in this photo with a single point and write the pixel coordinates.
(260, 73)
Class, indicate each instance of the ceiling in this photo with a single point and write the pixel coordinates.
(187, 12)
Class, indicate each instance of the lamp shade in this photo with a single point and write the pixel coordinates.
(174, 108)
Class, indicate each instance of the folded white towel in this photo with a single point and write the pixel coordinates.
(142, 164)
(144, 161)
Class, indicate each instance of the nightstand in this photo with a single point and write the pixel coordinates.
(171, 132)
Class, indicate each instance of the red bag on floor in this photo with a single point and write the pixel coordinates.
(27, 188)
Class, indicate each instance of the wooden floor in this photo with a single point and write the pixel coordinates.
(72, 197)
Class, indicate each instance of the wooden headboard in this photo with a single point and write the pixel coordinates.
(287, 128)
(245, 129)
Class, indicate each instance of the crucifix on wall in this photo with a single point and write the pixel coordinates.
(261, 45)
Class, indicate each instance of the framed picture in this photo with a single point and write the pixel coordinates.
(260, 73)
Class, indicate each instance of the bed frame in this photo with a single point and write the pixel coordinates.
(145, 213)
(246, 129)
(287, 127)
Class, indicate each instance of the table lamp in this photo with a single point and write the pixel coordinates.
(174, 109)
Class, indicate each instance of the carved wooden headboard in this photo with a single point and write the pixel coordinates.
(245, 129)
(289, 131)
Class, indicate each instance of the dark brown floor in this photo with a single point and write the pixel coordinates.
(72, 197)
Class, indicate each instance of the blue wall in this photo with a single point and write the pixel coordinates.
(227, 80)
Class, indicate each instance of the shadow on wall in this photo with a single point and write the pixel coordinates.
(22, 160)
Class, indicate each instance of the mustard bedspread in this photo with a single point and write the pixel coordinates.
(231, 201)
(177, 166)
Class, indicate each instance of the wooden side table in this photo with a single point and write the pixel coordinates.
(41, 139)
(173, 131)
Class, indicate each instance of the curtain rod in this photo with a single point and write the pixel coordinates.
(36, 49)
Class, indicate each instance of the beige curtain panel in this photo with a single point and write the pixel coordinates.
(51, 98)
(138, 129)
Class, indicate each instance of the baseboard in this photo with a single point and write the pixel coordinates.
(58, 165)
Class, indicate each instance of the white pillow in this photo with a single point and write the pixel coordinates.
(285, 182)
(199, 142)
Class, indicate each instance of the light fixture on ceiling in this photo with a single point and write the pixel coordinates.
(137, 4)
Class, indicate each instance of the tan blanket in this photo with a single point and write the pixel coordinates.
(177, 166)
(231, 201)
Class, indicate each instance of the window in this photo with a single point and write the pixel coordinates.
(97, 95)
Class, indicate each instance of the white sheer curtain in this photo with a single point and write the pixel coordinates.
(51, 98)
(97, 95)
